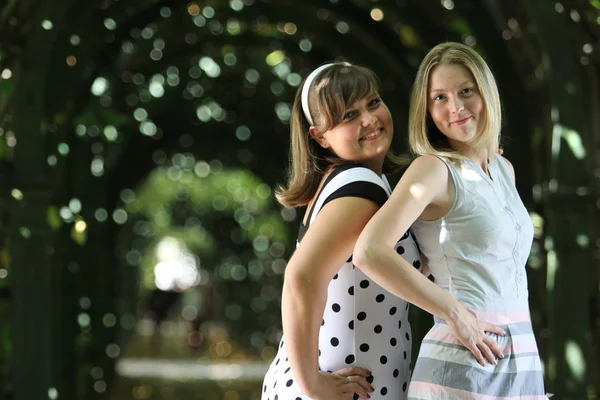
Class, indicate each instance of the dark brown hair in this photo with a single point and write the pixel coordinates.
(333, 90)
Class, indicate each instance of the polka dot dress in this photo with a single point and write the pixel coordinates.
(363, 325)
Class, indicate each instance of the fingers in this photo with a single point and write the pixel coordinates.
(335, 386)
(471, 332)
(478, 356)
(358, 389)
(359, 385)
(494, 329)
(355, 382)
(353, 371)
(493, 347)
(484, 347)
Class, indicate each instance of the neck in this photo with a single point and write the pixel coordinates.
(375, 166)
(480, 157)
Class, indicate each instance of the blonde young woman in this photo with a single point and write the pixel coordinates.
(344, 335)
(474, 232)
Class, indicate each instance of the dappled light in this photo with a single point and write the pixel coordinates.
(141, 144)
(417, 191)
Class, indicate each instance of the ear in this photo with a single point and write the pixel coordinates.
(319, 136)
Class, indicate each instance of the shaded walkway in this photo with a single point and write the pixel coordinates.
(190, 369)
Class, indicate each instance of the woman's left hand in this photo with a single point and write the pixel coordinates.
(358, 376)
(471, 332)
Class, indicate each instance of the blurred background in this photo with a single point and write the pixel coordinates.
(141, 249)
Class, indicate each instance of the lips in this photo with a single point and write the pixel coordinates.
(372, 135)
(461, 121)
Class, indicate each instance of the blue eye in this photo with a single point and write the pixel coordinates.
(349, 115)
(374, 102)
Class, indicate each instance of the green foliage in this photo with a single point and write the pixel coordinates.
(460, 26)
(229, 220)
(5, 343)
(7, 88)
(102, 116)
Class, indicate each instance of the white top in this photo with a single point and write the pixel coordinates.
(479, 249)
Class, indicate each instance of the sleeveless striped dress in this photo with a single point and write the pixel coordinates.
(478, 252)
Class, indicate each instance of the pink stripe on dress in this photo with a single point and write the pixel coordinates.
(511, 317)
(510, 348)
(425, 388)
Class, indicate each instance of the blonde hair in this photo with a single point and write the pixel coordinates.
(424, 136)
(332, 91)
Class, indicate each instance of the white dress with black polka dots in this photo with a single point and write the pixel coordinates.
(363, 324)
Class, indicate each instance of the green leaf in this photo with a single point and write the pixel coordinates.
(461, 26)
(115, 118)
(53, 217)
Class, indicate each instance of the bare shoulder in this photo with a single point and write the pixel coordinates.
(426, 180)
(428, 167)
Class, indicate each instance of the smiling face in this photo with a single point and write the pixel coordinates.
(455, 104)
(363, 135)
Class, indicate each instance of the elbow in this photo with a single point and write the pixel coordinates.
(302, 294)
(297, 284)
(293, 283)
(365, 255)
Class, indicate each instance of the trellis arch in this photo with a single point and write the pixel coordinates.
(52, 98)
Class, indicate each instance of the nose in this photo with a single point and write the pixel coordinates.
(456, 105)
(368, 119)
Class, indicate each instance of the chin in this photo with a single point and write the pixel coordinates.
(464, 137)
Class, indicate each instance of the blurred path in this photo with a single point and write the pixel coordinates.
(190, 369)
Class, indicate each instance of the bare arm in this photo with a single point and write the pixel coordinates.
(424, 183)
(425, 190)
(327, 245)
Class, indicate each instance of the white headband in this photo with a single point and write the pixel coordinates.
(306, 88)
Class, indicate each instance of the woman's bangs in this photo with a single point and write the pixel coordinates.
(347, 85)
(355, 84)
